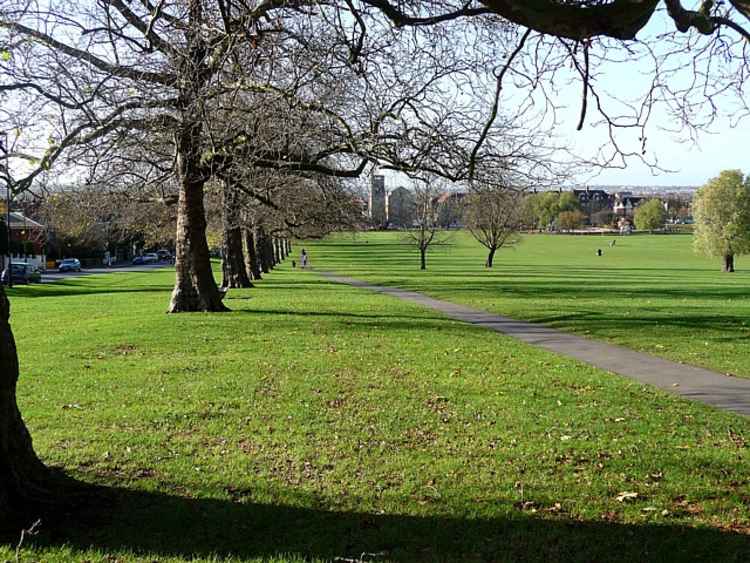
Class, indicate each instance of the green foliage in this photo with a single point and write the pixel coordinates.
(320, 421)
(568, 202)
(544, 208)
(721, 210)
(650, 215)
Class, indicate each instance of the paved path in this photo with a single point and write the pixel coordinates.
(697, 384)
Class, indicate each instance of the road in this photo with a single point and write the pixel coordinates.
(54, 275)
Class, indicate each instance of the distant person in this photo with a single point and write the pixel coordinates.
(599, 252)
(611, 244)
(303, 259)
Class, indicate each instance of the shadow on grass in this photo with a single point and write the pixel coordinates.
(154, 525)
(65, 290)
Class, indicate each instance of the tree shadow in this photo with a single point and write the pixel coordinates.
(153, 524)
(64, 290)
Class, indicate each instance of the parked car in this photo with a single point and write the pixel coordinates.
(164, 255)
(150, 258)
(69, 265)
(137, 261)
(21, 273)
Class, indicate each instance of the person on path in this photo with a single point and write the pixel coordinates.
(303, 259)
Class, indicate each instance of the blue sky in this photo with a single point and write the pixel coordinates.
(722, 147)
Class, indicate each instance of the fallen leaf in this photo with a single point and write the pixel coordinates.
(626, 496)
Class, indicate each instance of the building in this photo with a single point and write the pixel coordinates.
(450, 209)
(625, 204)
(401, 208)
(27, 240)
(377, 209)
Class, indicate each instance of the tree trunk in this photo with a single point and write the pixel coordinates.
(26, 485)
(490, 258)
(288, 247)
(233, 259)
(252, 263)
(270, 253)
(422, 258)
(276, 250)
(729, 263)
(265, 264)
(195, 288)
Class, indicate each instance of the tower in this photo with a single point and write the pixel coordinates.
(376, 207)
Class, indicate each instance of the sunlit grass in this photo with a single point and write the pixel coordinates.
(650, 293)
(318, 421)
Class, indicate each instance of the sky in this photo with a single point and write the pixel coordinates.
(689, 163)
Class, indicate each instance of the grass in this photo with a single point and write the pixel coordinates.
(318, 421)
(649, 293)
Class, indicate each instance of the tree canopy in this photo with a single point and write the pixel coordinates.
(721, 210)
(650, 215)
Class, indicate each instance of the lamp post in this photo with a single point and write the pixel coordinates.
(6, 153)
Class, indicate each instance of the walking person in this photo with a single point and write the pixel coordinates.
(303, 259)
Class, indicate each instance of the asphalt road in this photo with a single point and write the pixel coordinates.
(54, 275)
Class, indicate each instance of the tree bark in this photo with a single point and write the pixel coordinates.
(26, 485)
(265, 264)
(422, 258)
(270, 253)
(728, 263)
(233, 259)
(195, 288)
(490, 257)
(252, 262)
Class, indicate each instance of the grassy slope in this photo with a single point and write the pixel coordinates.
(319, 421)
(650, 293)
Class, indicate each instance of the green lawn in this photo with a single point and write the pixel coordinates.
(650, 293)
(319, 421)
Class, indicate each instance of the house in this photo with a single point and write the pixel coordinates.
(596, 204)
(626, 203)
(27, 240)
(450, 207)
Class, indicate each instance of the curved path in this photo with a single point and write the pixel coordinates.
(694, 383)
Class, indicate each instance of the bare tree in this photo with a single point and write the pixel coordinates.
(427, 229)
(493, 215)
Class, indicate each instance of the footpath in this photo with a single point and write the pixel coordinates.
(694, 383)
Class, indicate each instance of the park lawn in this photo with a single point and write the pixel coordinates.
(318, 421)
(649, 293)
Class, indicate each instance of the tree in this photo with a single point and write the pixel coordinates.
(493, 216)
(426, 229)
(570, 220)
(173, 93)
(568, 202)
(650, 215)
(721, 210)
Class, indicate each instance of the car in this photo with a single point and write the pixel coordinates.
(69, 265)
(164, 255)
(150, 258)
(138, 260)
(21, 273)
